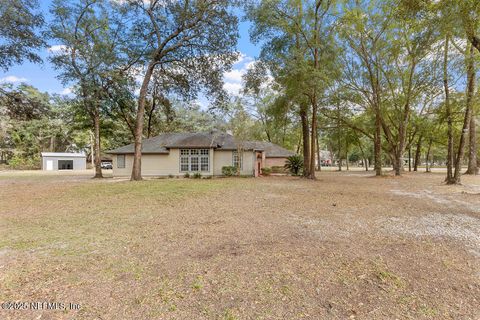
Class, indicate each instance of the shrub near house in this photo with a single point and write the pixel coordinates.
(229, 171)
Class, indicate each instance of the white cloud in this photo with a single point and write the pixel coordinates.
(233, 78)
(235, 75)
(57, 48)
(232, 88)
(66, 91)
(12, 79)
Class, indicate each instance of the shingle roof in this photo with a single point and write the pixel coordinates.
(220, 141)
(272, 150)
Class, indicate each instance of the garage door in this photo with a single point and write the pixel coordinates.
(65, 164)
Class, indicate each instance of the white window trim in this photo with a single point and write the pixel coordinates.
(240, 158)
(198, 155)
(124, 161)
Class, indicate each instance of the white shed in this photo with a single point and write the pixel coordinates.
(63, 161)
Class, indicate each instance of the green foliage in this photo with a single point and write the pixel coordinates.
(25, 102)
(197, 175)
(33, 122)
(192, 41)
(21, 163)
(266, 171)
(186, 175)
(294, 164)
(229, 171)
(19, 38)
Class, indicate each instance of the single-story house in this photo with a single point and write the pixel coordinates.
(63, 161)
(207, 153)
(326, 158)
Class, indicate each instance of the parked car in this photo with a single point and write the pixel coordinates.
(106, 165)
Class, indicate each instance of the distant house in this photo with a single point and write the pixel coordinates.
(207, 153)
(326, 158)
(52, 161)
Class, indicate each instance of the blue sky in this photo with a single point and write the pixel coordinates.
(43, 76)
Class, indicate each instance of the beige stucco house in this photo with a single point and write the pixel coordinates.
(207, 153)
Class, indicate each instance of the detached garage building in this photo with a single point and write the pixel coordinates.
(53, 161)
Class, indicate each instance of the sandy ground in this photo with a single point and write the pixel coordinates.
(347, 246)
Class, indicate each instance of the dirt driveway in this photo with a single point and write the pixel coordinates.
(348, 246)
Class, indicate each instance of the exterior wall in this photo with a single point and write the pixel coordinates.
(169, 164)
(158, 164)
(78, 162)
(223, 158)
(275, 162)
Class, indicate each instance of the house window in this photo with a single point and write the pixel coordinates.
(120, 161)
(193, 163)
(194, 160)
(237, 159)
(204, 162)
(184, 163)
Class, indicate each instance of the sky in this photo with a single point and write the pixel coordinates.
(43, 76)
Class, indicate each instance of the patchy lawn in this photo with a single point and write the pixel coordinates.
(345, 246)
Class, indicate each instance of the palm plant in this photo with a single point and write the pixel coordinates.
(294, 164)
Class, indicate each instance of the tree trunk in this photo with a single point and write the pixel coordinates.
(319, 163)
(98, 158)
(427, 160)
(409, 159)
(137, 157)
(397, 162)
(365, 160)
(418, 152)
(92, 149)
(475, 41)
(472, 138)
(150, 116)
(339, 139)
(472, 146)
(346, 156)
(448, 112)
(313, 143)
(468, 113)
(377, 144)
(306, 143)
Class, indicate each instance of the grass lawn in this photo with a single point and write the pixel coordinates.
(345, 246)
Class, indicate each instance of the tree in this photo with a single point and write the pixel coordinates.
(93, 54)
(192, 41)
(19, 38)
(299, 49)
(363, 29)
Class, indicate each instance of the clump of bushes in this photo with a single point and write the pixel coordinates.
(278, 169)
(229, 171)
(266, 171)
(197, 175)
(294, 164)
(186, 175)
(20, 163)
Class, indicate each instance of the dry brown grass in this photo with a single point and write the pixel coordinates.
(345, 246)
